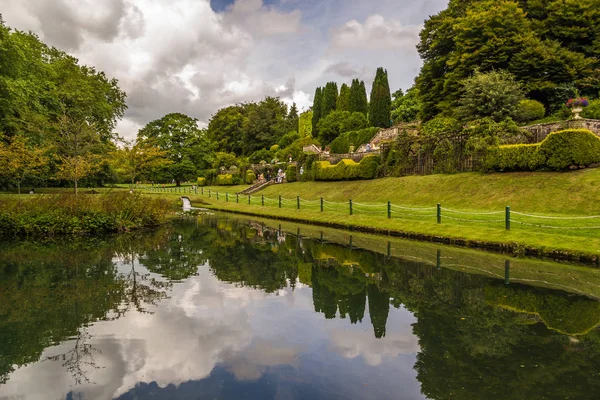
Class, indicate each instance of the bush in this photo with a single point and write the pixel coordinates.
(570, 147)
(357, 138)
(224, 180)
(593, 110)
(291, 173)
(515, 157)
(559, 151)
(287, 140)
(274, 148)
(250, 177)
(201, 181)
(347, 169)
(261, 155)
(529, 110)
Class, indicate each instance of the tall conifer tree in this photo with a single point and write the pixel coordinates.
(329, 101)
(317, 110)
(343, 103)
(380, 108)
(292, 118)
(358, 97)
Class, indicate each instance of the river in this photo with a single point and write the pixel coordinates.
(226, 307)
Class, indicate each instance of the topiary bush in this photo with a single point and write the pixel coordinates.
(592, 111)
(570, 147)
(291, 173)
(224, 180)
(201, 181)
(559, 151)
(347, 169)
(357, 138)
(529, 110)
(250, 177)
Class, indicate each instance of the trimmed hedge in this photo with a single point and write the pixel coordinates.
(201, 181)
(343, 142)
(224, 180)
(558, 152)
(291, 173)
(250, 177)
(347, 169)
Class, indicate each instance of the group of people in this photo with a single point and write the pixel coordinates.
(279, 178)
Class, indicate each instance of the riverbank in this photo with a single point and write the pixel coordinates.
(67, 214)
(516, 242)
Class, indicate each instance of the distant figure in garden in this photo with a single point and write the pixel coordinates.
(32, 191)
(280, 176)
(368, 146)
(301, 170)
(261, 178)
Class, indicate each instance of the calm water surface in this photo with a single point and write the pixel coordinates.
(227, 308)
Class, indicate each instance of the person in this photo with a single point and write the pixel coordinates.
(279, 175)
(301, 170)
(261, 178)
(32, 191)
(368, 146)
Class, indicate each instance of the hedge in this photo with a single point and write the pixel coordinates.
(201, 181)
(225, 180)
(558, 152)
(347, 169)
(343, 142)
(291, 173)
(250, 177)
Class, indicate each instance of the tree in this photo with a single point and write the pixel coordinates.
(358, 97)
(292, 119)
(406, 107)
(381, 101)
(186, 146)
(330, 95)
(317, 102)
(18, 160)
(343, 103)
(139, 157)
(225, 129)
(305, 124)
(75, 168)
(494, 94)
(339, 122)
(265, 125)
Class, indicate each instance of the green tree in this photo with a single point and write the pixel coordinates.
(135, 159)
(265, 125)
(19, 160)
(381, 101)
(305, 124)
(292, 119)
(186, 146)
(495, 94)
(317, 103)
(343, 103)
(406, 107)
(225, 129)
(329, 101)
(358, 97)
(339, 122)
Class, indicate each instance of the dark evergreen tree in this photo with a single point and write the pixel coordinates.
(379, 308)
(292, 118)
(358, 97)
(330, 95)
(317, 110)
(380, 108)
(343, 103)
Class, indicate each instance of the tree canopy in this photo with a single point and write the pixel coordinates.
(381, 101)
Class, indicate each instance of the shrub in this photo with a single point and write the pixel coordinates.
(529, 110)
(347, 169)
(291, 173)
(250, 177)
(593, 110)
(570, 147)
(201, 181)
(287, 140)
(357, 138)
(274, 148)
(224, 180)
(515, 157)
(261, 155)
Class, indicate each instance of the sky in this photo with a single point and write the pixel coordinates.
(197, 56)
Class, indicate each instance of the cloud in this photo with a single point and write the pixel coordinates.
(375, 34)
(343, 69)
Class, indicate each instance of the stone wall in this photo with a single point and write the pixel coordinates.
(540, 131)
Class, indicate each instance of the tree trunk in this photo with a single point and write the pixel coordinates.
(19, 188)
(177, 183)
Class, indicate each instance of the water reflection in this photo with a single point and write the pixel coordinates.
(229, 308)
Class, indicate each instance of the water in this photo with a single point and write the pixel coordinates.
(227, 308)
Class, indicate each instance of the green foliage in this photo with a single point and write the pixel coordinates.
(292, 118)
(261, 155)
(343, 103)
(545, 44)
(380, 101)
(593, 110)
(225, 180)
(441, 126)
(329, 101)
(339, 122)
(559, 151)
(250, 177)
(494, 94)
(356, 138)
(347, 169)
(305, 124)
(566, 148)
(529, 110)
(291, 173)
(316, 110)
(406, 107)
(288, 139)
(274, 148)
(358, 97)
(68, 214)
(224, 160)
(201, 181)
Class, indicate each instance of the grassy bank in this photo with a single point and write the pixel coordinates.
(66, 214)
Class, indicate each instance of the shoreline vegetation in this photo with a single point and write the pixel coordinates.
(67, 214)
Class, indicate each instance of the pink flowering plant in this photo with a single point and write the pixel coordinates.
(578, 102)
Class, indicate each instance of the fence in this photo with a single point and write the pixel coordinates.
(507, 218)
